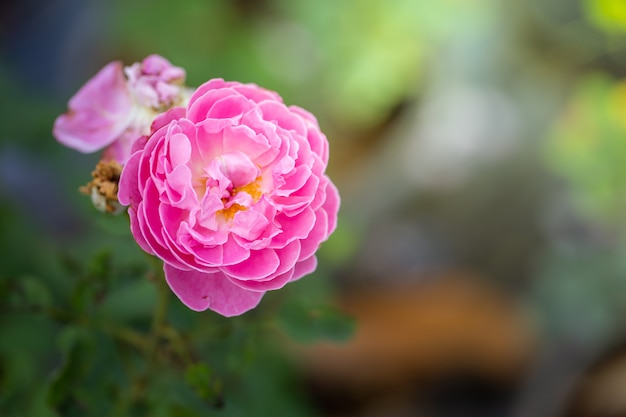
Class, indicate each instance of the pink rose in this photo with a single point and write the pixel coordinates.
(118, 104)
(155, 82)
(231, 193)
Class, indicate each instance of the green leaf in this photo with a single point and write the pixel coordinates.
(131, 301)
(100, 266)
(35, 292)
(75, 344)
(200, 378)
(92, 286)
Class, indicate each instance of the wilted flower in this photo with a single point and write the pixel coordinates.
(231, 193)
(118, 104)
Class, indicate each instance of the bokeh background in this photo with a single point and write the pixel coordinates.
(479, 266)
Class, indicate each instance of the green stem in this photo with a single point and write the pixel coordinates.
(128, 336)
(178, 345)
(161, 331)
(159, 319)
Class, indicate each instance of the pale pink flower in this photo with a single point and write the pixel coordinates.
(155, 82)
(118, 104)
(231, 194)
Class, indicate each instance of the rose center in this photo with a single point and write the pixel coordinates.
(236, 202)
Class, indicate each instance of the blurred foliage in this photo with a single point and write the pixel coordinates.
(588, 146)
(83, 332)
(580, 291)
(303, 49)
(608, 15)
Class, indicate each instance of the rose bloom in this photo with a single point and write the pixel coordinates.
(118, 105)
(231, 194)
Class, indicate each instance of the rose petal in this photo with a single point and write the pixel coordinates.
(260, 264)
(129, 182)
(317, 235)
(256, 93)
(238, 168)
(296, 227)
(249, 224)
(288, 258)
(317, 140)
(273, 284)
(164, 119)
(137, 233)
(304, 267)
(331, 206)
(201, 291)
(277, 112)
(98, 113)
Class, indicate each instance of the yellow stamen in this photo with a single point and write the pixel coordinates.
(230, 212)
(254, 189)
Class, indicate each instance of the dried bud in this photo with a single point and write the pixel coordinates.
(103, 187)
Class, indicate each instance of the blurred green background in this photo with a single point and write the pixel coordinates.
(480, 150)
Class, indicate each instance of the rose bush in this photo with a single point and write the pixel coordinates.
(118, 104)
(231, 193)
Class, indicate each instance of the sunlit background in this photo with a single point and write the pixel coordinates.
(480, 150)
